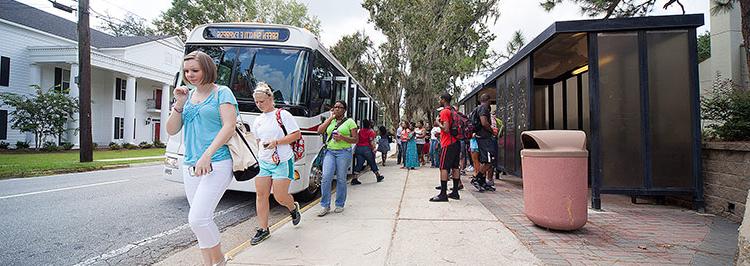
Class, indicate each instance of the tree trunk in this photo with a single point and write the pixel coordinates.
(745, 18)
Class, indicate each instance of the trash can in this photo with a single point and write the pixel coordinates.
(555, 178)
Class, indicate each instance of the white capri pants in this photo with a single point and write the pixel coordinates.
(203, 194)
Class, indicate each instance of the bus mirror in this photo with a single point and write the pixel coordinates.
(325, 89)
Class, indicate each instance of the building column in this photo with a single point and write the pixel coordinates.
(164, 112)
(129, 111)
(73, 125)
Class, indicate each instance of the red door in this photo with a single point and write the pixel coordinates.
(157, 130)
(157, 98)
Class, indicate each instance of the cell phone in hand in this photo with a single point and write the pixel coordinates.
(191, 169)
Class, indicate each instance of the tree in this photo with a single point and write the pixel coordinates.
(184, 15)
(44, 114)
(616, 8)
(129, 26)
(704, 46)
(435, 43)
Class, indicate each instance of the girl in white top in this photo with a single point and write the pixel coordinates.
(276, 159)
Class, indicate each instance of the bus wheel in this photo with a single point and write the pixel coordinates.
(313, 190)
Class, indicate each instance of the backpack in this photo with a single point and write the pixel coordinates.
(474, 119)
(298, 146)
(460, 128)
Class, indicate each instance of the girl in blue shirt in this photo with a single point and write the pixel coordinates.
(207, 115)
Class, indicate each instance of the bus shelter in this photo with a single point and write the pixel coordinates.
(630, 83)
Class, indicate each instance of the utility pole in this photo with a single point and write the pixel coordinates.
(84, 82)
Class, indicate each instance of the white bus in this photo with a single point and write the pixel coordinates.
(306, 79)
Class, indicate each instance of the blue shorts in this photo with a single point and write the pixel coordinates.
(473, 145)
(283, 170)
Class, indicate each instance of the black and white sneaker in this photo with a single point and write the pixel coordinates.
(489, 187)
(296, 216)
(479, 187)
(260, 235)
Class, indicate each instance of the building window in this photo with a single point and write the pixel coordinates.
(4, 71)
(62, 80)
(3, 124)
(120, 86)
(119, 127)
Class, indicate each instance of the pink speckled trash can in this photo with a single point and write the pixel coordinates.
(555, 178)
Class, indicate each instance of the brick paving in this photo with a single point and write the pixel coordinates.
(623, 233)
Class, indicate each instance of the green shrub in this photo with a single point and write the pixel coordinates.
(4, 145)
(22, 145)
(66, 146)
(114, 146)
(129, 146)
(50, 146)
(145, 145)
(728, 109)
(159, 144)
(94, 145)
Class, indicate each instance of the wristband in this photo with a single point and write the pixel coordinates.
(176, 109)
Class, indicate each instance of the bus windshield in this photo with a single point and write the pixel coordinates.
(241, 67)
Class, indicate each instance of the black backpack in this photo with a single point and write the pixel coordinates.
(475, 120)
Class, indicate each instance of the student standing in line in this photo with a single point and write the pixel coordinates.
(400, 147)
(412, 160)
(207, 114)
(420, 135)
(450, 153)
(384, 143)
(276, 159)
(365, 151)
(486, 141)
(404, 138)
(338, 157)
(435, 144)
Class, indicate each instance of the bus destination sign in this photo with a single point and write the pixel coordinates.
(247, 34)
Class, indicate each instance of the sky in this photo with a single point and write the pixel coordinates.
(342, 17)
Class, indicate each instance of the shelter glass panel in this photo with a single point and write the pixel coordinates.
(669, 108)
(522, 106)
(620, 115)
(586, 116)
(557, 105)
(502, 108)
(540, 107)
(572, 102)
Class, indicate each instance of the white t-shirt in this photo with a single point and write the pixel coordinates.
(267, 129)
(418, 133)
(435, 130)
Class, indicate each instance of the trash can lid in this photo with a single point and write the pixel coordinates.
(554, 143)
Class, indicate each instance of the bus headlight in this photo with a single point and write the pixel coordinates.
(171, 162)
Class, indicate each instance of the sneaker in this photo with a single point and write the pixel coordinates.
(260, 235)
(491, 182)
(296, 216)
(454, 195)
(487, 187)
(338, 210)
(469, 169)
(479, 187)
(323, 212)
(439, 198)
(355, 182)
(380, 178)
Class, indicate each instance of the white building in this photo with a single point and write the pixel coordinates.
(727, 51)
(131, 77)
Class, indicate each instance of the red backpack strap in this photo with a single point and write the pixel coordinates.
(278, 120)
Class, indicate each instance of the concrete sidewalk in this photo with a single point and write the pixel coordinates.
(393, 223)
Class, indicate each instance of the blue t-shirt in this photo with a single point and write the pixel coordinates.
(201, 123)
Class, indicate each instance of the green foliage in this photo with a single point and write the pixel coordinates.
(4, 145)
(43, 113)
(50, 146)
(610, 8)
(704, 46)
(184, 15)
(728, 110)
(159, 144)
(114, 146)
(145, 145)
(66, 146)
(129, 146)
(431, 46)
(22, 145)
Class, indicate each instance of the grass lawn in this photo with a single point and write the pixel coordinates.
(42, 163)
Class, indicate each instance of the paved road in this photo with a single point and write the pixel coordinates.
(123, 216)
